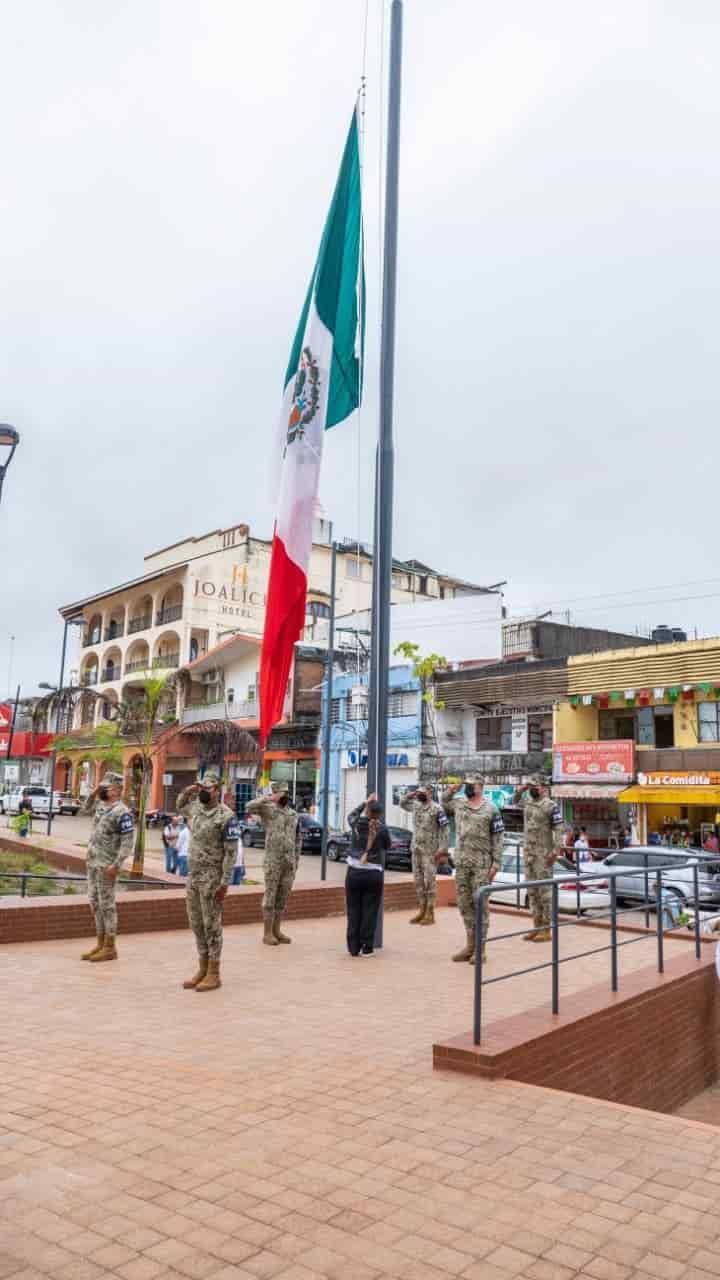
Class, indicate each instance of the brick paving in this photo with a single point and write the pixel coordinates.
(291, 1126)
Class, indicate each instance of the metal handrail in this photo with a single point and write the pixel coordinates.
(485, 892)
(24, 876)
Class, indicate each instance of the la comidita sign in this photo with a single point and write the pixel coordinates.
(594, 761)
(679, 779)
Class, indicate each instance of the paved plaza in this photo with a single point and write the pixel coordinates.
(290, 1125)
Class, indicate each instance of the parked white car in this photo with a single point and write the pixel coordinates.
(38, 796)
(512, 873)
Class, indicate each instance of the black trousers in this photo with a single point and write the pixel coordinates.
(363, 894)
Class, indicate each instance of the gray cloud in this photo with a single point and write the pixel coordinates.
(166, 170)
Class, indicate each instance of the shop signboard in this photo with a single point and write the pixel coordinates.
(519, 731)
(710, 779)
(594, 761)
(499, 796)
(354, 759)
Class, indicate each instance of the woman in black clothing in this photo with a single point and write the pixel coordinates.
(365, 873)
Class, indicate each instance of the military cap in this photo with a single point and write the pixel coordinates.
(211, 778)
(112, 780)
(537, 780)
(475, 777)
(278, 788)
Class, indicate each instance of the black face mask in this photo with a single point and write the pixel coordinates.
(103, 793)
(421, 796)
(204, 795)
(535, 793)
(469, 790)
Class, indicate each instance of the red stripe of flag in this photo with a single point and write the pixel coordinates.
(284, 625)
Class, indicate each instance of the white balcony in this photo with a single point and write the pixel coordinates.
(221, 711)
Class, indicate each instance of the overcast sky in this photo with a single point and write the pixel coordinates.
(166, 170)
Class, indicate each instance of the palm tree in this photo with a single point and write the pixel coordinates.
(141, 719)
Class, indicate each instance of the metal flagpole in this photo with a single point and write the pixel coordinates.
(327, 721)
(382, 557)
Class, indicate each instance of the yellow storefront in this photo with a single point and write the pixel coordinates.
(675, 808)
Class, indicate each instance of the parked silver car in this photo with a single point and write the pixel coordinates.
(676, 866)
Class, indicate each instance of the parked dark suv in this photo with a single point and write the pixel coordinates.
(398, 856)
(253, 833)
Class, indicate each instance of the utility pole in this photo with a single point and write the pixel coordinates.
(385, 456)
(327, 718)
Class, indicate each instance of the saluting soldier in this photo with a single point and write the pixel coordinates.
(541, 846)
(110, 843)
(214, 836)
(429, 846)
(283, 843)
(478, 853)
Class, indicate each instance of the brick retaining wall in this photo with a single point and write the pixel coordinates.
(144, 911)
(654, 1044)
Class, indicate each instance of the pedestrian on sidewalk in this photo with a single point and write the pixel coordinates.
(541, 847)
(110, 843)
(213, 846)
(183, 844)
(283, 844)
(238, 874)
(582, 847)
(170, 840)
(478, 853)
(429, 848)
(365, 875)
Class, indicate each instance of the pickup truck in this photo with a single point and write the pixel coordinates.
(39, 798)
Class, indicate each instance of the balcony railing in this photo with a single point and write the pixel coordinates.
(113, 632)
(91, 638)
(220, 711)
(139, 624)
(111, 673)
(165, 660)
(139, 664)
(90, 677)
(170, 614)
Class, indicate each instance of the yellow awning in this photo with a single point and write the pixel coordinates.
(670, 795)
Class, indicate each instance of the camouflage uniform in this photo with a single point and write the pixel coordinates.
(213, 849)
(542, 823)
(283, 843)
(430, 837)
(110, 843)
(479, 844)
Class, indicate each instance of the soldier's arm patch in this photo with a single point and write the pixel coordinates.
(126, 824)
(232, 829)
(556, 816)
(496, 824)
(442, 819)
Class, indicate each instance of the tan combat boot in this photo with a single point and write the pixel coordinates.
(468, 950)
(269, 934)
(543, 935)
(108, 951)
(429, 917)
(277, 931)
(202, 970)
(98, 947)
(418, 919)
(211, 981)
(484, 956)
(529, 937)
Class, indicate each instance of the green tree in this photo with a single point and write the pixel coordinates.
(141, 719)
(424, 668)
(105, 747)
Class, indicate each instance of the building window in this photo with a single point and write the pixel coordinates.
(251, 693)
(422, 586)
(353, 568)
(709, 722)
(493, 733)
(358, 711)
(403, 704)
(648, 726)
(337, 710)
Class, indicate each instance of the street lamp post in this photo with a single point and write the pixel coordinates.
(9, 439)
(69, 622)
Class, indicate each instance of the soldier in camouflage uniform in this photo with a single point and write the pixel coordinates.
(213, 848)
(283, 844)
(110, 843)
(429, 846)
(541, 846)
(478, 852)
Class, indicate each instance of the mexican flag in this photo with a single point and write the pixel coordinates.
(322, 388)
